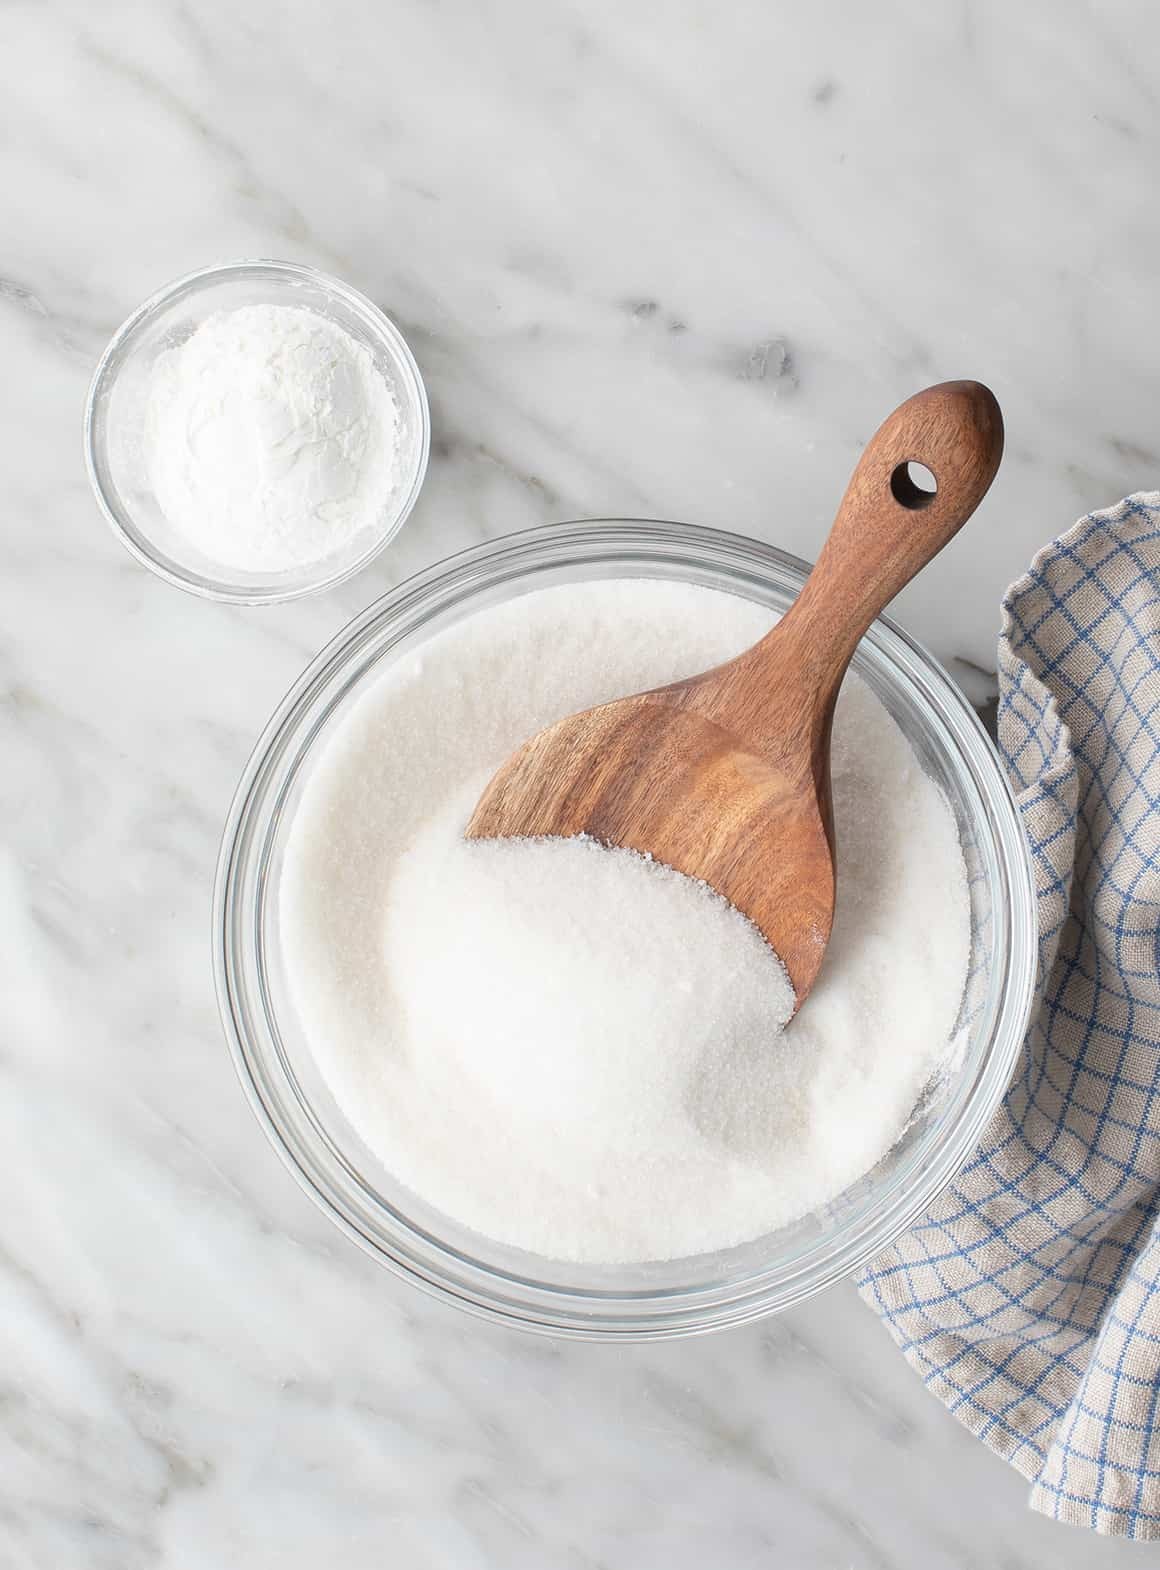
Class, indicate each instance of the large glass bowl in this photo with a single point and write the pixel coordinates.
(613, 1302)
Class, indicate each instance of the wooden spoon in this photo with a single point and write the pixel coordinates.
(726, 775)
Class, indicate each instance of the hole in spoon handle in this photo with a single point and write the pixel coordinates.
(913, 486)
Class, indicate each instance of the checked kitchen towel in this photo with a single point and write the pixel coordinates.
(1028, 1297)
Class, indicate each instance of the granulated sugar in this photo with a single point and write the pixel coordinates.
(574, 1050)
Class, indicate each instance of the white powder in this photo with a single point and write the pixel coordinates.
(574, 1050)
(270, 437)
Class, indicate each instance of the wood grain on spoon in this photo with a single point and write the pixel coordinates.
(726, 775)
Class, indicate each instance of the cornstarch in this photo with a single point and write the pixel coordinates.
(270, 437)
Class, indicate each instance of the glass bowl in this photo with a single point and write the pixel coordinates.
(115, 423)
(706, 1291)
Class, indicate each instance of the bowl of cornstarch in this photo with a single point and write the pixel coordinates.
(558, 1084)
(257, 431)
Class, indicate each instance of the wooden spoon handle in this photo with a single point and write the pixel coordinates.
(887, 528)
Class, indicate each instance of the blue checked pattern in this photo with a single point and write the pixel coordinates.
(1028, 1298)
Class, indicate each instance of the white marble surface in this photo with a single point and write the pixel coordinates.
(672, 260)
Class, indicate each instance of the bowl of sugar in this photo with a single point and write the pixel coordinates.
(256, 431)
(554, 1083)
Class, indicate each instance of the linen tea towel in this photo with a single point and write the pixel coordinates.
(1028, 1297)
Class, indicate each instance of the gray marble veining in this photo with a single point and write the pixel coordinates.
(668, 261)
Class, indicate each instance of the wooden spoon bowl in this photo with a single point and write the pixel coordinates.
(725, 775)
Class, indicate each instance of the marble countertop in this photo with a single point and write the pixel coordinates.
(673, 261)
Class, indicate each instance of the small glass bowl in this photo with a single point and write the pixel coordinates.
(671, 1297)
(115, 423)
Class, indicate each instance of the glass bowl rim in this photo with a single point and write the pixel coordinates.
(120, 346)
(439, 1268)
